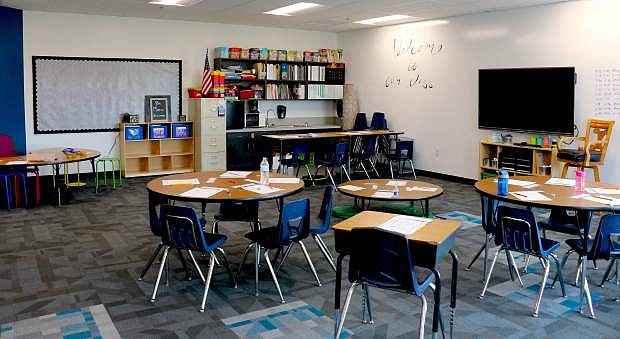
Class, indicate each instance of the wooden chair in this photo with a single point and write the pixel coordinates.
(592, 153)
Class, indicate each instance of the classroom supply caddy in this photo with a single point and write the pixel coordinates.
(157, 148)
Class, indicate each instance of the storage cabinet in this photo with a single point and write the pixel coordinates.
(143, 155)
(516, 159)
(209, 116)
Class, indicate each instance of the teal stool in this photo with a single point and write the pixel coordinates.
(115, 164)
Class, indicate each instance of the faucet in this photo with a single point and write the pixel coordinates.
(267, 117)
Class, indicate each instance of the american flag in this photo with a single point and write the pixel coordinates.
(207, 81)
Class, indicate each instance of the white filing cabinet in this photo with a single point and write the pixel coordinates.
(209, 116)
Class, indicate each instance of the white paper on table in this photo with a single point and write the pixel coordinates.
(561, 182)
(210, 180)
(17, 162)
(604, 200)
(261, 189)
(284, 180)
(241, 186)
(421, 189)
(521, 183)
(253, 181)
(530, 196)
(580, 196)
(531, 186)
(235, 174)
(383, 194)
(202, 192)
(404, 224)
(351, 188)
(193, 181)
(594, 190)
(396, 183)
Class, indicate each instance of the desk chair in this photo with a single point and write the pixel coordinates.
(7, 149)
(326, 214)
(518, 232)
(293, 226)
(378, 121)
(592, 153)
(368, 153)
(184, 231)
(381, 259)
(605, 245)
(300, 157)
(402, 154)
(361, 122)
(337, 159)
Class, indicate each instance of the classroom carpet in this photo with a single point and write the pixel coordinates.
(91, 250)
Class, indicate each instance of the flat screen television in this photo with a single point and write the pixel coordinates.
(527, 99)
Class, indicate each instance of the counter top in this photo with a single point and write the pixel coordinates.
(282, 128)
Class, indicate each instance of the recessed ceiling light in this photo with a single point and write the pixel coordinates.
(382, 19)
(287, 10)
(167, 3)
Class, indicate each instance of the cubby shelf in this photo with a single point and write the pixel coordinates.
(159, 156)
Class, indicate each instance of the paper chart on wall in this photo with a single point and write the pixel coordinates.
(607, 92)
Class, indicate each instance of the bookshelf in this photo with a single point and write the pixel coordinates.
(516, 159)
(283, 80)
(145, 152)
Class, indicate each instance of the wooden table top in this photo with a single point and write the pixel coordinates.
(231, 193)
(404, 195)
(561, 196)
(331, 134)
(435, 232)
(49, 156)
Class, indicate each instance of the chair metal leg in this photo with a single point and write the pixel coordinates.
(227, 264)
(195, 263)
(578, 270)
(585, 288)
(364, 168)
(309, 174)
(330, 259)
(562, 264)
(391, 169)
(316, 276)
(330, 176)
(543, 283)
(150, 262)
(188, 274)
(273, 276)
(345, 172)
(256, 262)
(558, 274)
(608, 271)
(423, 315)
(345, 309)
(527, 262)
(366, 305)
(468, 268)
(372, 164)
(207, 282)
(486, 281)
(287, 251)
(159, 274)
(413, 170)
(245, 257)
(513, 265)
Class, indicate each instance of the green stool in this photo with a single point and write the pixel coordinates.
(345, 211)
(113, 161)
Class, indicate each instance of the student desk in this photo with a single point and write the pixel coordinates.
(50, 157)
(282, 138)
(430, 244)
(369, 190)
(560, 197)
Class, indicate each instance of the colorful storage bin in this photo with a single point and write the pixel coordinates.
(181, 130)
(158, 131)
(134, 132)
(221, 52)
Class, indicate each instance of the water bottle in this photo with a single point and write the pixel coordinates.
(396, 191)
(264, 172)
(580, 181)
(502, 182)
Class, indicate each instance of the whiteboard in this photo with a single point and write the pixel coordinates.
(73, 95)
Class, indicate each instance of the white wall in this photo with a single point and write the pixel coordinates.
(443, 120)
(62, 34)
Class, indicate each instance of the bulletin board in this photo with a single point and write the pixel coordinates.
(83, 94)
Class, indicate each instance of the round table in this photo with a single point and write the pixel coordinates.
(230, 194)
(409, 190)
(51, 157)
(560, 197)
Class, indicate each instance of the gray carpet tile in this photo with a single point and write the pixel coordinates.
(92, 250)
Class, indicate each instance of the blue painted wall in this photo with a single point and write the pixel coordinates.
(12, 115)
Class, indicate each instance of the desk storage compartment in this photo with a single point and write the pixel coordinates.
(134, 132)
(181, 130)
(158, 131)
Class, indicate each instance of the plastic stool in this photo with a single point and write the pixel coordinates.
(113, 161)
(68, 183)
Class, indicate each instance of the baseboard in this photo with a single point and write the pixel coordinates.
(442, 176)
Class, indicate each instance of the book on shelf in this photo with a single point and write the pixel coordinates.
(319, 91)
(316, 73)
(285, 92)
